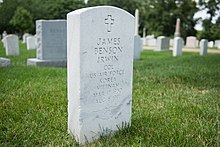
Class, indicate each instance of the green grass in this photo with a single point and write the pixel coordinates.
(176, 102)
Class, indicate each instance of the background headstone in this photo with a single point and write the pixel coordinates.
(4, 62)
(177, 47)
(137, 47)
(25, 36)
(163, 43)
(4, 34)
(217, 44)
(210, 44)
(4, 42)
(171, 42)
(136, 22)
(31, 42)
(100, 63)
(151, 41)
(203, 47)
(51, 45)
(191, 42)
(11, 45)
(144, 37)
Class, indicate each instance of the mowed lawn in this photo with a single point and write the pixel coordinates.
(176, 102)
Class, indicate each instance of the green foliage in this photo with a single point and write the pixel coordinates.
(38, 9)
(175, 102)
(211, 31)
(157, 16)
(161, 17)
(22, 20)
(58, 9)
(7, 9)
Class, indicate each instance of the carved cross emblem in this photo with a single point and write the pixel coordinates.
(109, 21)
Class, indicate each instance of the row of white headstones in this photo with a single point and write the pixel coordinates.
(100, 51)
(191, 42)
(11, 45)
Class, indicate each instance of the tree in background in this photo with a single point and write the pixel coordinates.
(58, 9)
(7, 9)
(46, 9)
(211, 29)
(157, 16)
(161, 17)
(22, 21)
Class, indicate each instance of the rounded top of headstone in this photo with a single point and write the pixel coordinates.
(89, 9)
(11, 35)
(204, 40)
(160, 37)
(52, 20)
(191, 37)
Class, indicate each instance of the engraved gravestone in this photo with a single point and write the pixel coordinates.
(100, 43)
(51, 45)
(11, 45)
(163, 43)
(203, 47)
(31, 43)
(191, 42)
(25, 36)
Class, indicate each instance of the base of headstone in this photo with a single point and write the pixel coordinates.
(50, 63)
(4, 62)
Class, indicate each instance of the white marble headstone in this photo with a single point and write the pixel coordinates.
(191, 42)
(217, 44)
(136, 22)
(137, 46)
(177, 47)
(31, 42)
(211, 44)
(100, 42)
(25, 36)
(11, 45)
(203, 47)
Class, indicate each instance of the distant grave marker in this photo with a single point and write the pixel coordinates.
(11, 45)
(51, 43)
